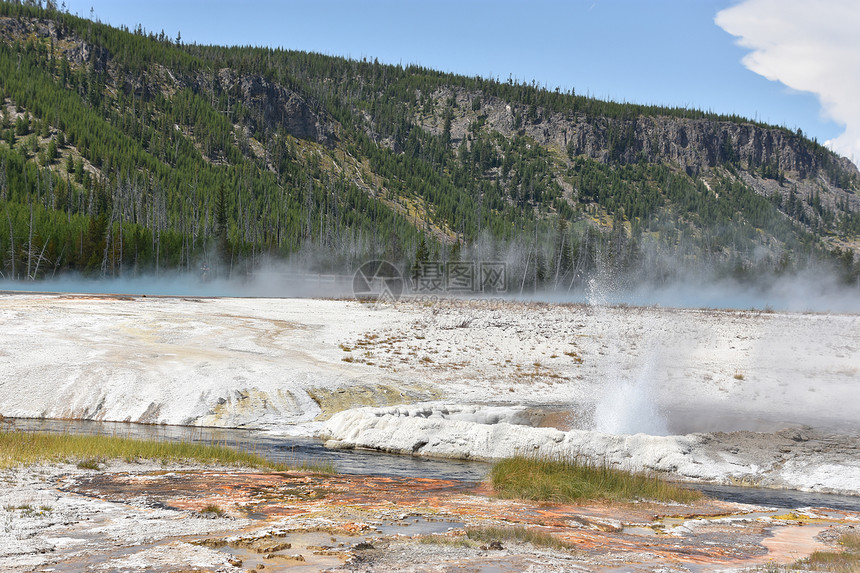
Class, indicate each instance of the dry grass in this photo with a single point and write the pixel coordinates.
(91, 452)
(561, 481)
(845, 561)
(576, 357)
(519, 534)
(448, 541)
(214, 510)
(495, 536)
(850, 542)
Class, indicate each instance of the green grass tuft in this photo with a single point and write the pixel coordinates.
(91, 463)
(561, 481)
(27, 448)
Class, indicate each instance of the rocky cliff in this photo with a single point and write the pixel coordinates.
(696, 146)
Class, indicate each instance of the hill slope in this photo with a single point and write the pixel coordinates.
(124, 152)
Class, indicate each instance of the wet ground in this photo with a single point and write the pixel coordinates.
(294, 450)
(304, 522)
(147, 517)
(302, 450)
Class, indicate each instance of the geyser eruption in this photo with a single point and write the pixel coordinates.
(629, 407)
(626, 406)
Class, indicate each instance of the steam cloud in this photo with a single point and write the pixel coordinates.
(813, 290)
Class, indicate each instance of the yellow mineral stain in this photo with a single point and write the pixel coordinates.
(334, 400)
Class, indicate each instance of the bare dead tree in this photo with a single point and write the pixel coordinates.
(11, 244)
(39, 260)
(108, 241)
(30, 240)
(3, 195)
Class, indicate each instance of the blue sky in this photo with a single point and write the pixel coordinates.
(668, 52)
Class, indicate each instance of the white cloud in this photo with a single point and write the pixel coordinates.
(811, 46)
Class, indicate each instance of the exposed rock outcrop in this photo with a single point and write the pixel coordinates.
(278, 107)
(694, 144)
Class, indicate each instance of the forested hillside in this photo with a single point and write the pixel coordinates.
(123, 152)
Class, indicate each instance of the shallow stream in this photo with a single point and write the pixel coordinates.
(287, 449)
(299, 450)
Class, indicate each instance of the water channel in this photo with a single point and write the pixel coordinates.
(299, 450)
